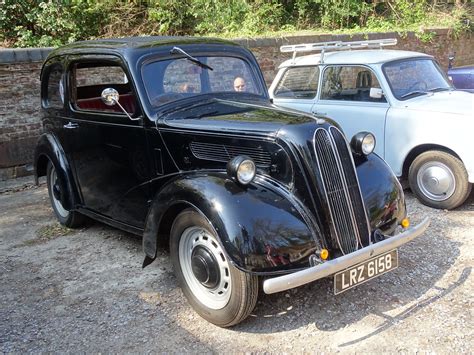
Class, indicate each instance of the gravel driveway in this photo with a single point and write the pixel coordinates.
(84, 291)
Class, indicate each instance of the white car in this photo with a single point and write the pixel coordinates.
(424, 127)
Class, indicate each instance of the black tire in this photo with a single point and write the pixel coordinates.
(70, 219)
(225, 300)
(439, 180)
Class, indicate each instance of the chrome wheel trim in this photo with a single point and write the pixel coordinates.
(217, 297)
(57, 203)
(436, 181)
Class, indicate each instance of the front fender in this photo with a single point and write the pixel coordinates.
(261, 230)
(382, 193)
(47, 149)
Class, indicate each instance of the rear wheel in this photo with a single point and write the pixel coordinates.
(71, 219)
(218, 291)
(439, 180)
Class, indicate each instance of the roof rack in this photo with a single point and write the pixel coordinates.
(337, 46)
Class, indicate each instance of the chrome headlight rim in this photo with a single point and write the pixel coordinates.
(363, 143)
(242, 169)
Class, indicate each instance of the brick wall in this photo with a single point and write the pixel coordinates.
(20, 87)
(267, 50)
(20, 123)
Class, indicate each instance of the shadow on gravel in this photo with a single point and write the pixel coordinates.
(422, 263)
(390, 321)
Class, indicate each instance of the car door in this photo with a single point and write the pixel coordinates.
(108, 149)
(345, 97)
(297, 88)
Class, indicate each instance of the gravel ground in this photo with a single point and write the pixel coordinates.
(84, 291)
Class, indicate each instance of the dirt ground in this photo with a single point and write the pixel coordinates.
(85, 291)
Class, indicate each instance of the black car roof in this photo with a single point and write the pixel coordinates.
(134, 44)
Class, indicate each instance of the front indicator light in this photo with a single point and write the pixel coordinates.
(405, 223)
(324, 254)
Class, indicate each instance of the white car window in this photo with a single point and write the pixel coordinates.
(298, 83)
(349, 83)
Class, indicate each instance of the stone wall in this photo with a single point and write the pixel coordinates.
(20, 86)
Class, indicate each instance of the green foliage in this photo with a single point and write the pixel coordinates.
(31, 23)
(25, 23)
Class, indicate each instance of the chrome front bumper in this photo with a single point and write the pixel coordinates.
(282, 283)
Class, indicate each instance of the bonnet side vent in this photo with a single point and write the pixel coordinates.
(223, 153)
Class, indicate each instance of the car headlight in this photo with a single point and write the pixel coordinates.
(363, 143)
(242, 169)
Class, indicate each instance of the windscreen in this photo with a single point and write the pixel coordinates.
(175, 79)
(415, 77)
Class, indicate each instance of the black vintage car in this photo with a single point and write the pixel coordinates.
(176, 140)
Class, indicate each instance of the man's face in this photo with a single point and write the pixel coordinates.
(239, 84)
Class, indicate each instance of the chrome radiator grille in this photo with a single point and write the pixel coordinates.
(346, 207)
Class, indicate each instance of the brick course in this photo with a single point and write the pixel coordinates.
(20, 114)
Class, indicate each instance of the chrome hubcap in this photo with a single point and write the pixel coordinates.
(436, 181)
(56, 194)
(205, 267)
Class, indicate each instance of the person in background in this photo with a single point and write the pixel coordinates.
(239, 84)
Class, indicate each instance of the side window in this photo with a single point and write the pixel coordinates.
(54, 87)
(298, 83)
(349, 83)
(88, 81)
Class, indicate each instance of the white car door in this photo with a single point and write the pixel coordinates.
(345, 97)
(296, 87)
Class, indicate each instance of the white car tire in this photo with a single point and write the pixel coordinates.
(439, 180)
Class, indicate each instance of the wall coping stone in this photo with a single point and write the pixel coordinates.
(324, 37)
(31, 55)
(23, 55)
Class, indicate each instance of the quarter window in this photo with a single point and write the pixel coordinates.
(55, 88)
(298, 83)
(349, 83)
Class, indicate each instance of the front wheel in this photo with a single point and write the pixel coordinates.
(439, 180)
(71, 219)
(218, 291)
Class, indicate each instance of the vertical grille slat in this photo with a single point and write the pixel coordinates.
(339, 178)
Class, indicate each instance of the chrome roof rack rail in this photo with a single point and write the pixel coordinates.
(337, 46)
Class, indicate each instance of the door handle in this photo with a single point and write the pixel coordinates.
(320, 113)
(71, 125)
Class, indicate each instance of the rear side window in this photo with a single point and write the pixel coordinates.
(298, 83)
(54, 97)
(89, 80)
(349, 83)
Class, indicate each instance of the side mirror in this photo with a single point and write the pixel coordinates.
(376, 93)
(450, 61)
(110, 96)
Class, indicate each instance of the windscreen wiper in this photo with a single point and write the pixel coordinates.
(177, 50)
(440, 89)
(413, 93)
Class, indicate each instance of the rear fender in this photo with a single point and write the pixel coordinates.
(260, 229)
(48, 149)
